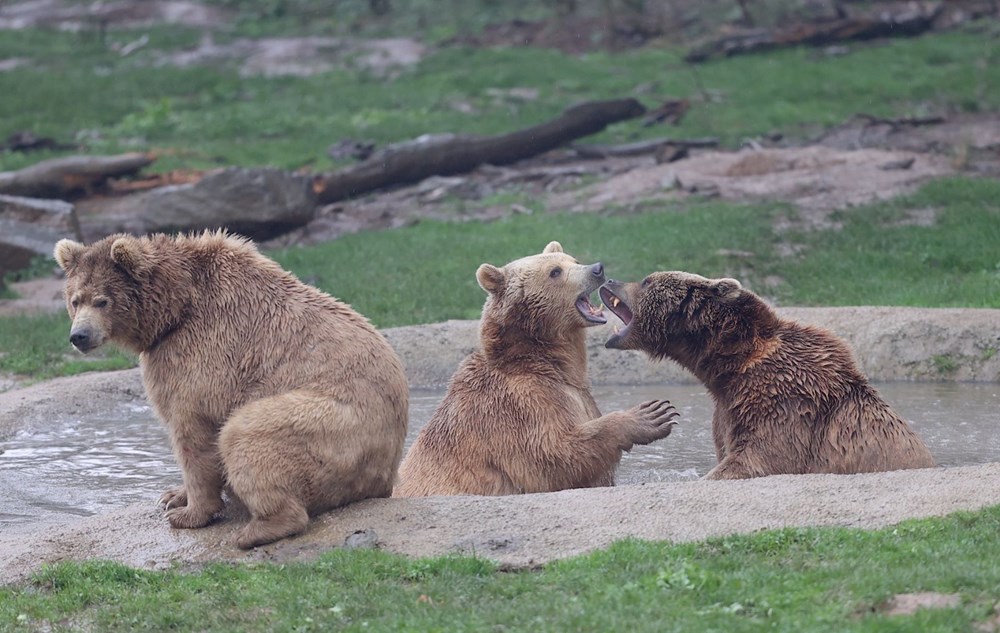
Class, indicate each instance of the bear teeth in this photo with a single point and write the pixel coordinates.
(615, 302)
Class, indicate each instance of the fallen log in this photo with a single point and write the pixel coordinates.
(641, 147)
(64, 177)
(902, 24)
(453, 154)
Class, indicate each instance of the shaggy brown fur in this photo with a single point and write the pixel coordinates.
(287, 396)
(788, 397)
(519, 416)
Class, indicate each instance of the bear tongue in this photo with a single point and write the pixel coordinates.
(589, 311)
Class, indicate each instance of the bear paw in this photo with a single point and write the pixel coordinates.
(292, 520)
(654, 420)
(174, 498)
(190, 517)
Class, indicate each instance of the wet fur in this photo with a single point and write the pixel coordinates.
(518, 415)
(789, 397)
(269, 387)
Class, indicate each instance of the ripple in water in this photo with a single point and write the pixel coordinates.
(83, 467)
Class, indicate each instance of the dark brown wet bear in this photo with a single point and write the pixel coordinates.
(518, 415)
(269, 387)
(789, 398)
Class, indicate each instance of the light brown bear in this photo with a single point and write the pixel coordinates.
(518, 416)
(286, 396)
(788, 397)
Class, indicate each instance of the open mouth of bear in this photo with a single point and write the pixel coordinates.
(619, 308)
(590, 312)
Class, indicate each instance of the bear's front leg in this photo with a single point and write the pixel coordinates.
(194, 504)
(650, 421)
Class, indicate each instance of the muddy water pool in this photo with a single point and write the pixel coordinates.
(79, 467)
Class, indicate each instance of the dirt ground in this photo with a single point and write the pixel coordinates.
(527, 530)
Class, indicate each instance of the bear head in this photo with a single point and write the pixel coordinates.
(677, 314)
(542, 295)
(108, 288)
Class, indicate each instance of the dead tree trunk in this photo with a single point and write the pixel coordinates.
(62, 177)
(412, 162)
(903, 24)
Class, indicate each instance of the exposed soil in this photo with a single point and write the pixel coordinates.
(301, 56)
(298, 56)
(527, 530)
(115, 14)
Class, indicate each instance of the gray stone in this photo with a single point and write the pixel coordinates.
(31, 227)
(259, 203)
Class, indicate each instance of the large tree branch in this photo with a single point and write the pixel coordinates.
(412, 162)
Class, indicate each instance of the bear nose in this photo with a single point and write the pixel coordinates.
(79, 338)
(597, 269)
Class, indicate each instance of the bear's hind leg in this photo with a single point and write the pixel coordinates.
(290, 520)
(296, 454)
(739, 465)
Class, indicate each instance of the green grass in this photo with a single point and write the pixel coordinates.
(875, 261)
(209, 116)
(38, 347)
(426, 273)
(795, 580)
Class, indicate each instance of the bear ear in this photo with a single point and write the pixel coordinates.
(67, 253)
(490, 278)
(127, 253)
(727, 289)
(553, 247)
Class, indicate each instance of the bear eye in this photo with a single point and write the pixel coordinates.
(555, 272)
(75, 303)
(101, 303)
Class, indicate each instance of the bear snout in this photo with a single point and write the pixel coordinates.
(82, 339)
(597, 270)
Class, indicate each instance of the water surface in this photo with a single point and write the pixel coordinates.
(80, 467)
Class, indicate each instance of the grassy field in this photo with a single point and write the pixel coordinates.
(205, 116)
(426, 273)
(796, 580)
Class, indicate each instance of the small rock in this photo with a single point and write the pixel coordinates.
(362, 539)
(671, 181)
